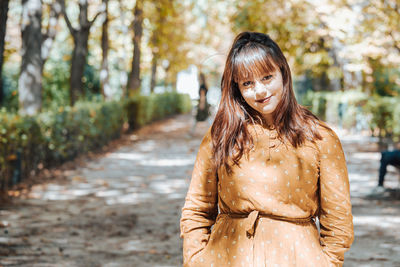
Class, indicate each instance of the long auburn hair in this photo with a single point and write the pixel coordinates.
(252, 53)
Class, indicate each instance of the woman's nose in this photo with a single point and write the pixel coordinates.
(259, 89)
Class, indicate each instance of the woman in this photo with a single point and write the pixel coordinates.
(266, 170)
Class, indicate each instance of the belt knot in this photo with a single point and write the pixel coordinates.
(250, 222)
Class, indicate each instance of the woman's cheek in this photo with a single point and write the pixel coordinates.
(247, 95)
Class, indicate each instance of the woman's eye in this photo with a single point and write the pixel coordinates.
(268, 77)
(246, 83)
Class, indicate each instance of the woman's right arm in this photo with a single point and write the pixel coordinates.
(200, 209)
(335, 214)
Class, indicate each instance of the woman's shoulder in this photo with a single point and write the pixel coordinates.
(329, 137)
(206, 141)
(325, 130)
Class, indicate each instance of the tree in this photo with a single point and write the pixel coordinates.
(3, 24)
(378, 42)
(134, 76)
(169, 39)
(30, 79)
(51, 31)
(307, 41)
(80, 36)
(159, 19)
(104, 71)
(35, 51)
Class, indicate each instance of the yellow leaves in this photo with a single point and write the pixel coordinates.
(12, 157)
(66, 57)
(78, 179)
(92, 113)
(14, 193)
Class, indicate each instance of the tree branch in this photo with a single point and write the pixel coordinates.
(101, 11)
(49, 36)
(395, 43)
(67, 21)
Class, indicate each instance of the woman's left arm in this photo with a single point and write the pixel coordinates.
(200, 209)
(335, 214)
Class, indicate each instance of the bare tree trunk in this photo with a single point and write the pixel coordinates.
(154, 62)
(170, 79)
(50, 35)
(78, 63)
(104, 72)
(335, 83)
(30, 79)
(123, 75)
(79, 54)
(134, 76)
(3, 24)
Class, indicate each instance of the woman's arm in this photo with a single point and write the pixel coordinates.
(335, 215)
(200, 209)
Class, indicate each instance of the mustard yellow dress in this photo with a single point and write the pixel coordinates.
(264, 214)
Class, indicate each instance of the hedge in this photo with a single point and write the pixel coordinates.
(53, 137)
(382, 113)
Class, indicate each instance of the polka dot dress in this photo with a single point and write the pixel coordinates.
(265, 213)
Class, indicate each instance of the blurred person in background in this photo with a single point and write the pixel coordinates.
(203, 110)
(387, 158)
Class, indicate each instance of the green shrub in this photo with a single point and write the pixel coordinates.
(316, 102)
(144, 109)
(18, 136)
(58, 135)
(383, 111)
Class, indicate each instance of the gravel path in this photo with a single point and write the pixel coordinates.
(122, 208)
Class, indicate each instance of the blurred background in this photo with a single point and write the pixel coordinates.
(76, 76)
(57, 53)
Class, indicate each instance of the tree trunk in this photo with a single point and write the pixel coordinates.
(81, 37)
(50, 35)
(123, 75)
(104, 72)
(3, 24)
(78, 64)
(335, 83)
(134, 76)
(30, 79)
(153, 72)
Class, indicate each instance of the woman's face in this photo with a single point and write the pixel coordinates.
(263, 93)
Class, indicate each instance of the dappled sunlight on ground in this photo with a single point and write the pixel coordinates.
(376, 221)
(123, 209)
(381, 221)
(124, 189)
(176, 125)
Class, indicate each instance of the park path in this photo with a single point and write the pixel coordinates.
(122, 208)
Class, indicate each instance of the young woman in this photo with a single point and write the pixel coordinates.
(266, 170)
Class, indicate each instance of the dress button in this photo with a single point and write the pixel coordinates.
(273, 136)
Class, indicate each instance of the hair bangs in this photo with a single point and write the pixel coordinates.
(252, 61)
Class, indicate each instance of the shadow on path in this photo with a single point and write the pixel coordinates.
(376, 220)
(123, 208)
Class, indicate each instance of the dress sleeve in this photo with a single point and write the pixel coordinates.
(200, 209)
(335, 216)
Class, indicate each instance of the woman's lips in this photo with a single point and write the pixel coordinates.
(264, 99)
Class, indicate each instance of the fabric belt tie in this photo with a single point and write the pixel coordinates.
(251, 219)
(251, 222)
